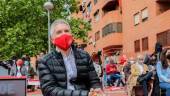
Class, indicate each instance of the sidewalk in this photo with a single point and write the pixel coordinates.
(113, 91)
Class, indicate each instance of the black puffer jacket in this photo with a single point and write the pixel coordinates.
(53, 77)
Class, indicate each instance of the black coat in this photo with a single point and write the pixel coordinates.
(53, 77)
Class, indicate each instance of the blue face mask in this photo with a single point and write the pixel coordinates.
(26, 63)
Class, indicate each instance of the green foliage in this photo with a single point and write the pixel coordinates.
(23, 26)
(80, 28)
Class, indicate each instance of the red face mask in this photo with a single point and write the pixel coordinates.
(63, 42)
(19, 62)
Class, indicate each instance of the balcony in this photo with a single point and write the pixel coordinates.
(163, 1)
(162, 6)
(110, 43)
(110, 5)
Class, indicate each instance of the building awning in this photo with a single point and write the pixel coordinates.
(110, 50)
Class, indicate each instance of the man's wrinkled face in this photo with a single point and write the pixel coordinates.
(59, 30)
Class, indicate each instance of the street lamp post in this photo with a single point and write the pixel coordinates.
(49, 6)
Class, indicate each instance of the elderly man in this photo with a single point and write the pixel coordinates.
(67, 71)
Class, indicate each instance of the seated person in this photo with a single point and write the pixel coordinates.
(163, 71)
(139, 73)
(127, 68)
(113, 74)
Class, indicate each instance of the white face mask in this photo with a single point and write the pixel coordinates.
(132, 62)
(140, 62)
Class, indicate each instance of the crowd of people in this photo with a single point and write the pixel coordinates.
(20, 67)
(145, 75)
(70, 71)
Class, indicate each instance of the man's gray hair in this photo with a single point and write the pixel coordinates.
(56, 22)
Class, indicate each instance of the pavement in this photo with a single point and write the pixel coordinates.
(110, 91)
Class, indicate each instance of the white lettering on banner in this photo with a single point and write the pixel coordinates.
(7, 89)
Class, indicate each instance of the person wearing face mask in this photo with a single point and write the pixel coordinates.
(18, 70)
(30, 73)
(163, 71)
(67, 71)
(29, 69)
(96, 64)
(138, 69)
(145, 75)
(127, 68)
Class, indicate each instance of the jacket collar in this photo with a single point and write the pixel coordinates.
(58, 53)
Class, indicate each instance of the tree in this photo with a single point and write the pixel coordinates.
(23, 26)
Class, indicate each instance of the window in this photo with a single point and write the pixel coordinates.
(144, 14)
(119, 27)
(89, 7)
(107, 29)
(164, 38)
(95, 1)
(145, 44)
(97, 35)
(137, 45)
(137, 18)
(96, 16)
(112, 27)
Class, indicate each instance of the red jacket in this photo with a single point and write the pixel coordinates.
(111, 68)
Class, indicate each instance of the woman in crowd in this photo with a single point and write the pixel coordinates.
(137, 69)
(163, 71)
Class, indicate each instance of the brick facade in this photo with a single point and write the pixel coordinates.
(154, 18)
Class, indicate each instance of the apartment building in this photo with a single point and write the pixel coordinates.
(129, 26)
(105, 16)
(144, 23)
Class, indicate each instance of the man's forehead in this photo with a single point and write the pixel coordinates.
(63, 25)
